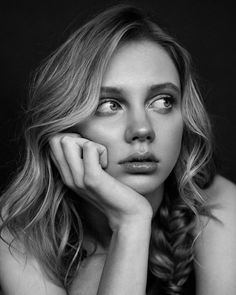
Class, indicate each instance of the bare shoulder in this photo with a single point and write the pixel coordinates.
(222, 191)
(20, 274)
(221, 197)
(215, 246)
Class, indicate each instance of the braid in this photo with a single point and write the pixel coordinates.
(171, 253)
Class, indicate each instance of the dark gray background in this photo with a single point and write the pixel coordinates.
(31, 30)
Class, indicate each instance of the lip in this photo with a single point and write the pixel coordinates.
(138, 163)
(138, 157)
(140, 167)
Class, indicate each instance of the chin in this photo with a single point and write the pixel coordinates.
(143, 184)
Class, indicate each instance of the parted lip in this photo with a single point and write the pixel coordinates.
(138, 157)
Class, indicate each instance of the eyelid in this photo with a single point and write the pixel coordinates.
(103, 100)
(171, 97)
(169, 94)
(121, 100)
(107, 99)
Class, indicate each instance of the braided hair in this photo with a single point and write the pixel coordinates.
(39, 211)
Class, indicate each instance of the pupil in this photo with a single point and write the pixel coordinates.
(113, 106)
(166, 103)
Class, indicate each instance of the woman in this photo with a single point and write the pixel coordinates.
(118, 182)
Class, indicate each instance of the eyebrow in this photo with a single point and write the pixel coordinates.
(169, 85)
(118, 91)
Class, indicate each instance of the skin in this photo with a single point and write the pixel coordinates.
(104, 141)
(139, 111)
(142, 113)
(135, 119)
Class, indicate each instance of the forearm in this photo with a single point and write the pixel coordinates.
(125, 269)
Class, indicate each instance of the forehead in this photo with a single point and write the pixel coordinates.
(140, 63)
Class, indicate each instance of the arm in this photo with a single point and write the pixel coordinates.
(128, 213)
(215, 247)
(125, 270)
(19, 276)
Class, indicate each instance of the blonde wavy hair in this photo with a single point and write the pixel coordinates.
(43, 215)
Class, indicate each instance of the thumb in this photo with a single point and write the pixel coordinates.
(102, 151)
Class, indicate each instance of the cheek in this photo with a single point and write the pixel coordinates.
(104, 134)
(108, 136)
(171, 140)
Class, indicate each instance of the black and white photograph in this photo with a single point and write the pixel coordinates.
(118, 148)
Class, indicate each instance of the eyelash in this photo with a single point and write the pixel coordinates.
(167, 97)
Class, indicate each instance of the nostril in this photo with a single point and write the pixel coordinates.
(136, 132)
(142, 137)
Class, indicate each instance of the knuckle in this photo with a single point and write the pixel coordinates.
(65, 139)
(101, 148)
(69, 185)
(100, 145)
(67, 181)
(53, 142)
(87, 181)
(77, 183)
(90, 181)
(88, 144)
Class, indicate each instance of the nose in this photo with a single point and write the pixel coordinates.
(139, 128)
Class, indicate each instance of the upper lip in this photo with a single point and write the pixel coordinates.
(139, 157)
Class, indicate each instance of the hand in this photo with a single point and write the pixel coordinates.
(81, 164)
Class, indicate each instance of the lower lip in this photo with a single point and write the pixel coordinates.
(140, 167)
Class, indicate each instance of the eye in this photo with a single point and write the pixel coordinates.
(163, 104)
(108, 106)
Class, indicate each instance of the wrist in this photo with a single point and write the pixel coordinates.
(128, 238)
(133, 225)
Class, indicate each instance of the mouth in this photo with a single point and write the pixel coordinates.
(140, 163)
(139, 158)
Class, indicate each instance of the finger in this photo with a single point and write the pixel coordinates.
(58, 158)
(55, 162)
(102, 151)
(94, 156)
(72, 149)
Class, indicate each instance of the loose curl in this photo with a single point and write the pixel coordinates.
(43, 215)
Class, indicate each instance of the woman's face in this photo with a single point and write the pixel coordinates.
(139, 114)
